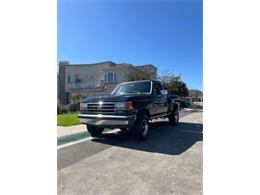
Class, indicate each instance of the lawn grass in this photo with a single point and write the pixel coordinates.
(68, 119)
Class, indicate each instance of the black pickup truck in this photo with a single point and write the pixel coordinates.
(129, 107)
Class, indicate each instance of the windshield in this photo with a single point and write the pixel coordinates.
(134, 87)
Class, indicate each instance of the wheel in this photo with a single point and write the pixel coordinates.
(140, 128)
(174, 117)
(94, 131)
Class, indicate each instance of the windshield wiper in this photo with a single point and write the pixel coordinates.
(133, 92)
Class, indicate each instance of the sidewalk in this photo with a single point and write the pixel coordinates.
(62, 131)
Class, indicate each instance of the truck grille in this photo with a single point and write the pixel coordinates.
(101, 108)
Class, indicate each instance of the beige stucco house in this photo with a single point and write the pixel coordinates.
(95, 79)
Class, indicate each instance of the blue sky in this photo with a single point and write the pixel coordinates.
(167, 34)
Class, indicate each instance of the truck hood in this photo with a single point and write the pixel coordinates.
(116, 98)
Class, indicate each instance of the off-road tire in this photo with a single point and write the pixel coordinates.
(140, 128)
(174, 117)
(94, 131)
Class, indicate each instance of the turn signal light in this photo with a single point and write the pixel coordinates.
(82, 106)
(129, 106)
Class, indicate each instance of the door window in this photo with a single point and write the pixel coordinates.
(157, 89)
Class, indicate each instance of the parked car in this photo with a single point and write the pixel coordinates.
(130, 106)
(178, 100)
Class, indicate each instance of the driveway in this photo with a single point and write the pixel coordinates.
(169, 162)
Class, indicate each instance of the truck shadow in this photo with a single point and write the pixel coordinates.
(163, 138)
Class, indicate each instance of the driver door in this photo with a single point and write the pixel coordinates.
(160, 100)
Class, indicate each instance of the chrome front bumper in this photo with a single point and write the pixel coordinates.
(112, 121)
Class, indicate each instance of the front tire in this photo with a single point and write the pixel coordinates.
(174, 117)
(94, 131)
(140, 128)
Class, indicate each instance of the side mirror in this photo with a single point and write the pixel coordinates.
(164, 92)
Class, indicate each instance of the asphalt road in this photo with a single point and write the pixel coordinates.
(169, 162)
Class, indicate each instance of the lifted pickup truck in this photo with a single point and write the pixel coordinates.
(130, 106)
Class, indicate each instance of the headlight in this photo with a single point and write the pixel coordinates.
(124, 105)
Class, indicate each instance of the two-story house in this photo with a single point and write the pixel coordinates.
(95, 79)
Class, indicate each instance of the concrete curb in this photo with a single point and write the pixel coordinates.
(192, 109)
(81, 140)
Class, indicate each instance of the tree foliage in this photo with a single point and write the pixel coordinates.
(174, 84)
(196, 94)
(137, 74)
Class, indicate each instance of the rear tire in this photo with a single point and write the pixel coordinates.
(140, 128)
(174, 117)
(94, 131)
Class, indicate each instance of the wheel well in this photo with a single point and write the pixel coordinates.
(145, 112)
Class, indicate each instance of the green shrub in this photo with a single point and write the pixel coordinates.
(73, 107)
(59, 106)
(69, 108)
(61, 109)
(77, 98)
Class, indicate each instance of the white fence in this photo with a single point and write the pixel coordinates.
(198, 103)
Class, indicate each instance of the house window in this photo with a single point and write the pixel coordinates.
(69, 79)
(77, 78)
(110, 77)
